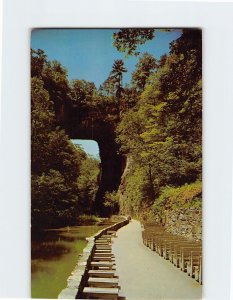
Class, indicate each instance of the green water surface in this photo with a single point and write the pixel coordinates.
(54, 255)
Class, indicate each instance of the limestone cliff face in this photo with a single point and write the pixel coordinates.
(122, 186)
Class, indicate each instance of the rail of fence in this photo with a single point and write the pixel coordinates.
(78, 280)
(183, 253)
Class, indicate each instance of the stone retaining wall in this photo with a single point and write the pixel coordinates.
(79, 276)
(185, 222)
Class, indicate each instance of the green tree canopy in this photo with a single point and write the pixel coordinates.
(117, 75)
(58, 193)
(126, 40)
(55, 165)
(145, 67)
(162, 132)
(82, 92)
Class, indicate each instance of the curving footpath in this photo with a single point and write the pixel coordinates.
(144, 275)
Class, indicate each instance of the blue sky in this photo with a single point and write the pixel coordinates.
(89, 54)
(89, 146)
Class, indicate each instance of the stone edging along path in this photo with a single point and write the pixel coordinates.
(78, 278)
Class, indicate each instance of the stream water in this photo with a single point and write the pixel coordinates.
(54, 255)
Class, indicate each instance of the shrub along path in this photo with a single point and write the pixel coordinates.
(144, 275)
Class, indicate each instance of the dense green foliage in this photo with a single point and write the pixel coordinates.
(162, 132)
(64, 178)
(111, 202)
(54, 165)
(82, 93)
(186, 196)
(112, 90)
(145, 67)
(127, 40)
(88, 182)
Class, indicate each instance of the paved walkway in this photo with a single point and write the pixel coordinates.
(144, 275)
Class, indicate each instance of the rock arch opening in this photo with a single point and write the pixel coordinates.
(80, 127)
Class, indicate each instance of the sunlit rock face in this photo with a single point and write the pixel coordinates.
(86, 124)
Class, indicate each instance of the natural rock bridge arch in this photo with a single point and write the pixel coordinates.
(83, 123)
